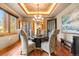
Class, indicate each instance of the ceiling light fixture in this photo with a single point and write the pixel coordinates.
(38, 17)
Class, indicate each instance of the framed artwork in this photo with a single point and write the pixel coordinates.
(70, 22)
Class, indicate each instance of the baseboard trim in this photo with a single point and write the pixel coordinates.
(7, 48)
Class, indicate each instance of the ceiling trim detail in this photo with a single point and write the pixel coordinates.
(35, 12)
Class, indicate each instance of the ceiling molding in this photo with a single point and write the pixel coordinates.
(55, 11)
(36, 12)
(8, 9)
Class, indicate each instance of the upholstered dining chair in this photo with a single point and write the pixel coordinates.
(49, 46)
(26, 45)
(52, 41)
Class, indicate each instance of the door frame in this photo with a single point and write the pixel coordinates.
(53, 19)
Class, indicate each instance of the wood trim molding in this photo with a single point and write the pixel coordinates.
(8, 48)
(6, 34)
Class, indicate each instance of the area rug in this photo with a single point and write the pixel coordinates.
(38, 52)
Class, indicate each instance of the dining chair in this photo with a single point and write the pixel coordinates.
(52, 41)
(26, 45)
(49, 46)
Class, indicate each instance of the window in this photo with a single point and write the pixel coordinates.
(2, 21)
(7, 22)
(12, 24)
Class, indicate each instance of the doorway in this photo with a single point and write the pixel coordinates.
(51, 25)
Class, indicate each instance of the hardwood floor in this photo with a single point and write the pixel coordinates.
(61, 51)
(15, 50)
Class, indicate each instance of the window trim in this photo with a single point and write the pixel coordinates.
(9, 12)
(5, 33)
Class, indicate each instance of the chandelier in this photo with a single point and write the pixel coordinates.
(37, 17)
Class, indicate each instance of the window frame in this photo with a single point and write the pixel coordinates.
(8, 26)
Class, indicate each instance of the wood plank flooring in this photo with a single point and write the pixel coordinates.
(61, 51)
(15, 50)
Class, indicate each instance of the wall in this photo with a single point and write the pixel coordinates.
(29, 22)
(67, 10)
(7, 8)
(7, 40)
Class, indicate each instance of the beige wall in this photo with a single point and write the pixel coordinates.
(5, 7)
(6, 41)
(9, 39)
(68, 9)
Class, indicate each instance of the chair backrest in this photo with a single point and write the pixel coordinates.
(24, 42)
(52, 40)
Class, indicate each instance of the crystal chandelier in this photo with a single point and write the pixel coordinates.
(37, 17)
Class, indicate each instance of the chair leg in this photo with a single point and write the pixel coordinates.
(23, 54)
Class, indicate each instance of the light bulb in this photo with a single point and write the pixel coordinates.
(35, 16)
(33, 19)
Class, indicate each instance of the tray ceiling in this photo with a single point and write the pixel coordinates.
(27, 8)
(33, 8)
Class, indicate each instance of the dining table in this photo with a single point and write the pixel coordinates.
(39, 39)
